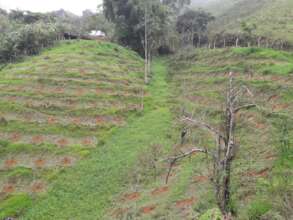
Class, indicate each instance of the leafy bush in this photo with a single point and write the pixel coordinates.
(27, 40)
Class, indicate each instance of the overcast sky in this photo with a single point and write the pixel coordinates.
(75, 6)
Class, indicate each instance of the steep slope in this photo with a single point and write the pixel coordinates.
(56, 109)
(272, 17)
(216, 7)
(262, 172)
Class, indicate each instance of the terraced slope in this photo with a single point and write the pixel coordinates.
(262, 173)
(56, 108)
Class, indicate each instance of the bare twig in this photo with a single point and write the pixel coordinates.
(174, 159)
(203, 125)
(248, 106)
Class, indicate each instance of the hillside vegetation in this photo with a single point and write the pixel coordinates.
(262, 173)
(272, 18)
(56, 109)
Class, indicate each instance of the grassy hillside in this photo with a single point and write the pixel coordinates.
(216, 7)
(58, 108)
(76, 144)
(262, 172)
(273, 18)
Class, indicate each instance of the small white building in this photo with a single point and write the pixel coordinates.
(97, 33)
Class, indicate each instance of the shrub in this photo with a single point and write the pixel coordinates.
(27, 40)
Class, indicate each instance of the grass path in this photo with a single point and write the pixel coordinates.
(85, 191)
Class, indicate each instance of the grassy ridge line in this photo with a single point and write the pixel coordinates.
(86, 190)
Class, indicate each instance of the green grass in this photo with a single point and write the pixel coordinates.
(14, 205)
(132, 158)
(92, 183)
(200, 84)
(29, 89)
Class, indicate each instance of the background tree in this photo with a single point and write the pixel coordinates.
(249, 31)
(193, 24)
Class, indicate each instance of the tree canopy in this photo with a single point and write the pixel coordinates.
(129, 19)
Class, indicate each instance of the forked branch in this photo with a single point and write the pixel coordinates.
(244, 107)
(174, 159)
(203, 125)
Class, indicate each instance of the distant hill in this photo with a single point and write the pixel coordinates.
(272, 17)
(216, 7)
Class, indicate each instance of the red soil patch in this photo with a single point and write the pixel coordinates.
(200, 179)
(40, 88)
(100, 120)
(185, 202)
(10, 163)
(276, 78)
(37, 139)
(12, 98)
(273, 98)
(119, 212)
(59, 90)
(160, 191)
(147, 209)
(99, 91)
(8, 188)
(280, 107)
(76, 121)
(66, 161)
(15, 137)
(62, 142)
(51, 120)
(87, 141)
(263, 173)
(131, 196)
(39, 163)
(82, 72)
(260, 125)
(37, 187)
(80, 92)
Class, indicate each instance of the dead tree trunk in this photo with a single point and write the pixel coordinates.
(146, 53)
(225, 149)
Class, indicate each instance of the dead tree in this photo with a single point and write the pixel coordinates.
(146, 44)
(224, 152)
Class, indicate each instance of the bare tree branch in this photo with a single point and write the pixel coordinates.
(203, 125)
(186, 154)
(174, 159)
(248, 106)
